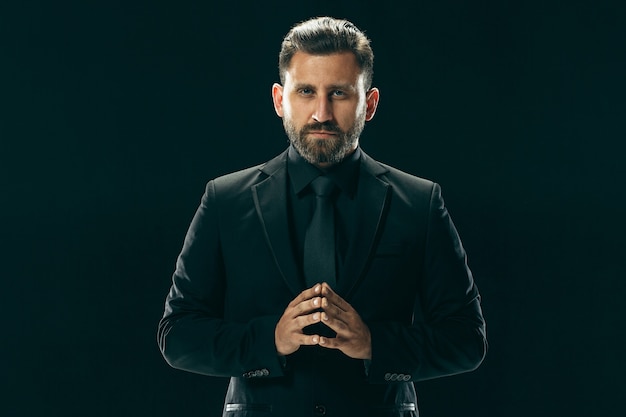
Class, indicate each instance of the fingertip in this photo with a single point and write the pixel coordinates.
(315, 339)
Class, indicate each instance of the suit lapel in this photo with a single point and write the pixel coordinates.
(271, 205)
(372, 199)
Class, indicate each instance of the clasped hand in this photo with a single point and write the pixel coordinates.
(321, 304)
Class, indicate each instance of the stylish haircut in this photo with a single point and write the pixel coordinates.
(325, 36)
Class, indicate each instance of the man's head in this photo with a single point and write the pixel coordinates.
(325, 98)
(325, 36)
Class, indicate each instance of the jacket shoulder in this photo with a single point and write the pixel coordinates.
(238, 181)
(401, 180)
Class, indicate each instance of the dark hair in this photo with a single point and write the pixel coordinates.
(325, 36)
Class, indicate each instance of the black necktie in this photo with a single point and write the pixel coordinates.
(319, 241)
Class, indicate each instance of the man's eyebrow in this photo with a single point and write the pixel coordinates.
(300, 86)
(341, 87)
(346, 86)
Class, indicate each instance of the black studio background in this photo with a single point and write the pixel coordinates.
(114, 114)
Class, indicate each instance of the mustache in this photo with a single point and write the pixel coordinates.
(326, 126)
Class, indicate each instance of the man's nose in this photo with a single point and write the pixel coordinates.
(323, 110)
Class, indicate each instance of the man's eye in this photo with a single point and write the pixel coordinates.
(306, 91)
(338, 93)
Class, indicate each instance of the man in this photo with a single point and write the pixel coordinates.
(311, 319)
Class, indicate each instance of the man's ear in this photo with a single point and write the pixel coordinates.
(371, 101)
(277, 97)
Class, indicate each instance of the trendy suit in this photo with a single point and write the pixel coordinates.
(405, 273)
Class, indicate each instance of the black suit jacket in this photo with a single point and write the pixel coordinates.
(405, 273)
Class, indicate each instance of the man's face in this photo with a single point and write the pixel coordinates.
(324, 105)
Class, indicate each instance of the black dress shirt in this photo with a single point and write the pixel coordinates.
(301, 200)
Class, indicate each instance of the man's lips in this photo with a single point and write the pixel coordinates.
(322, 133)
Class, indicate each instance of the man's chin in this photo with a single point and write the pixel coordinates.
(319, 151)
(317, 156)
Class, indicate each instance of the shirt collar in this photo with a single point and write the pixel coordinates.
(345, 173)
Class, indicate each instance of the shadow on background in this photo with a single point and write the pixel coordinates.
(115, 114)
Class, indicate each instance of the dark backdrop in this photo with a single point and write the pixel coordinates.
(114, 114)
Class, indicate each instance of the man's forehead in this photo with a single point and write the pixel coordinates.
(329, 69)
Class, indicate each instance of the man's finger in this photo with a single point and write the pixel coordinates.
(330, 342)
(306, 295)
(327, 289)
(306, 306)
(309, 340)
(334, 298)
(307, 320)
(333, 308)
(335, 323)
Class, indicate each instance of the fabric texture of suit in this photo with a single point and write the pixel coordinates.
(405, 273)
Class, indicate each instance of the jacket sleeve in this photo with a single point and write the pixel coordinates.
(193, 334)
(448, 334)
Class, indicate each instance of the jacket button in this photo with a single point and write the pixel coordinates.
(319, 410)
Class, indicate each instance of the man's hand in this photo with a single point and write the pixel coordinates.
(353, 336)
(300, 313)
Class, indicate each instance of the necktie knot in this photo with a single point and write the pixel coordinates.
(323, 186)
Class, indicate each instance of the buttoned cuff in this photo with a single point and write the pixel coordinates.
(264, 361)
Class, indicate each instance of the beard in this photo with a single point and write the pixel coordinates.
(331, 150)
